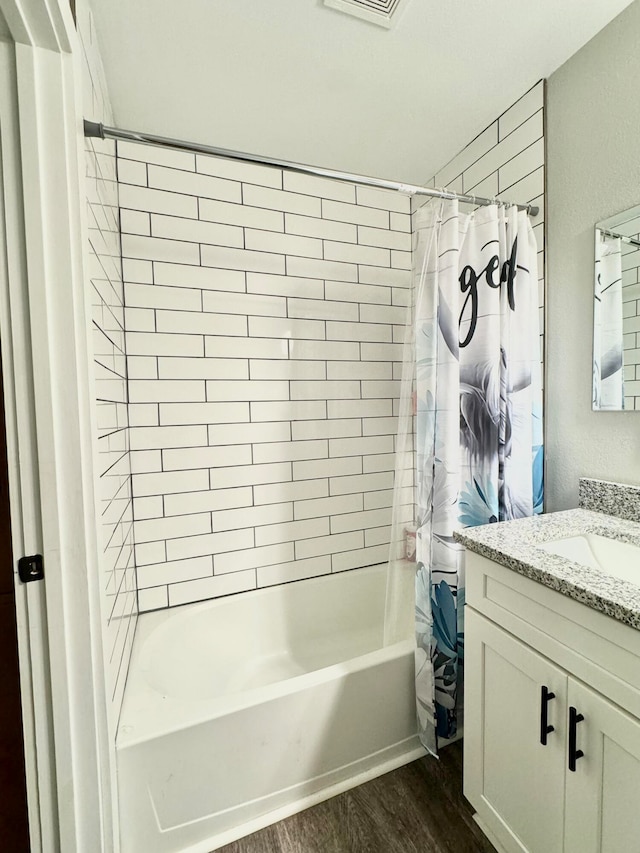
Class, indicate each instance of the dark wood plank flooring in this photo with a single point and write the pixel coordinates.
(416, 809)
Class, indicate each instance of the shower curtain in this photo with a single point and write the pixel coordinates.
(608, 380)
(471, 420)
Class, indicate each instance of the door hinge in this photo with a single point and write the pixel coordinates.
(31, 568)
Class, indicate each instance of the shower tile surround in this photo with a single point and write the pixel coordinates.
(296, 286)
(265, 316)
(105, 298)
(506, 160)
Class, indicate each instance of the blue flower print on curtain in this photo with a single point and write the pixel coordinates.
(478, 504)
(479, 421)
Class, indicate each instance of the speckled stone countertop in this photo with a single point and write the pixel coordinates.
(513, 544)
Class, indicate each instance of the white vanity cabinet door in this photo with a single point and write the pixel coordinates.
(603, 794)
(514, 782)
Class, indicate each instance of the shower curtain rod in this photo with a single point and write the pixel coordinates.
(96, 129)
(630, 240)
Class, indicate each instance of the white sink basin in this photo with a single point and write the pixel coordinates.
(619, 559)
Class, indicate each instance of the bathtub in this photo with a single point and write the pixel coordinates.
(243, 710)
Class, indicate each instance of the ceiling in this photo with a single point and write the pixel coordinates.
(296, 80)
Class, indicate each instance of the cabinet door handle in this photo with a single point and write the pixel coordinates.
(545, 728)
(574, 753)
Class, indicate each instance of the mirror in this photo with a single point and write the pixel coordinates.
(616, 313)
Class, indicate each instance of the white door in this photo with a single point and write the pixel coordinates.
(48, 407)
(603, 793)
(515, 782)
(23, 476)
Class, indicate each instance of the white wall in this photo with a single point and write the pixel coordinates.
(115, 524)
(265, 314)
(594, 172)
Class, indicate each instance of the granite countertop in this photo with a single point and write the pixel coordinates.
(513, 544)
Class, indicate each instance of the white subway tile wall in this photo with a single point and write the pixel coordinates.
(631, 315)
(507, 161)
(106, 298)
(264, 317)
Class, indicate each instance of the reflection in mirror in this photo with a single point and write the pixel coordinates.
(616, 313)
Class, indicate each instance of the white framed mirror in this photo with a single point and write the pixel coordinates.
(616, 313)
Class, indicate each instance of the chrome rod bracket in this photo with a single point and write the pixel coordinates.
(95, 129)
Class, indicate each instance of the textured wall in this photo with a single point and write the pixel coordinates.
(105, 295)
(593, 173)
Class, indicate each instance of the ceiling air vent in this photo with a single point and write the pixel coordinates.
(381, 12)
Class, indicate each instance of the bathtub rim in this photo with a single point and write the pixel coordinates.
(211, 709)
(152, 716)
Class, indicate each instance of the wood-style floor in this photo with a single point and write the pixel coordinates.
(416, 809)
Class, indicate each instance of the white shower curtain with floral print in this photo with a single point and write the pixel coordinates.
(608, 335)
(472, 369)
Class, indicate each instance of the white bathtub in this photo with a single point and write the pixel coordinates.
(243, 710)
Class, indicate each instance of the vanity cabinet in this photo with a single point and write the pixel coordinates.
(552, 718)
